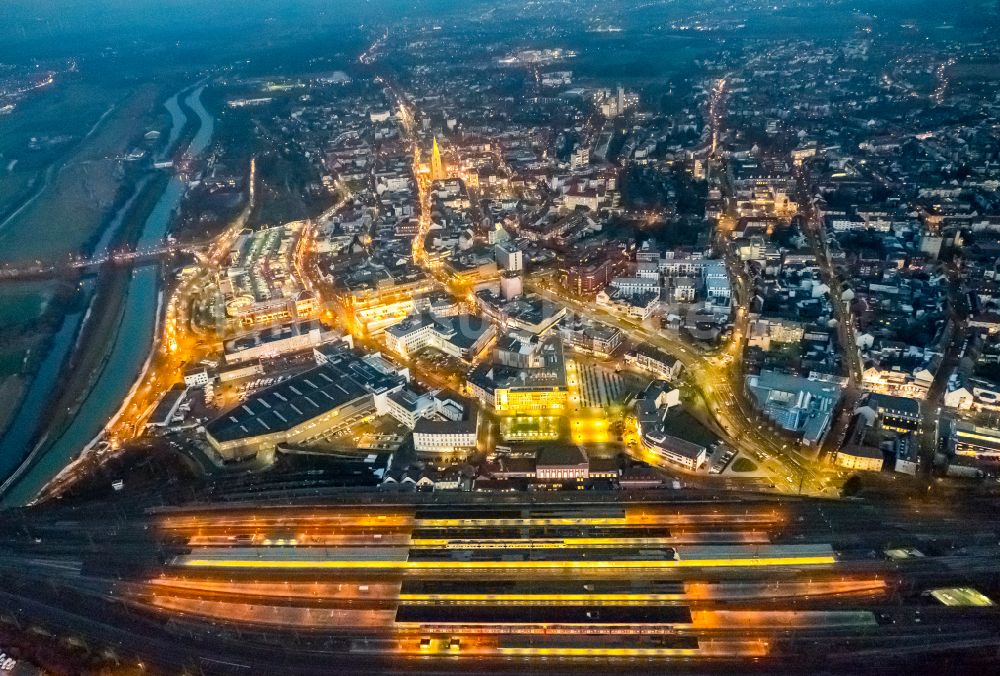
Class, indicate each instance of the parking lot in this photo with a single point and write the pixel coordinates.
(720, 458)
(440, 370)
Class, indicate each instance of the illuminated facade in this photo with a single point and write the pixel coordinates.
(445, 436)
(438, 172)
(377, 318)
(529, 400)
(860, 459)
(260, 287)
(529, 381)
(975, 441)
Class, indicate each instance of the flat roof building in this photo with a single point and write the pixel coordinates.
(532, 390)
(276, 340)
(796, 404)
(529, 313)
(860, 452)
(446, 436)
(462, 336)
(896, 413)
(651, 409)
(331, 395)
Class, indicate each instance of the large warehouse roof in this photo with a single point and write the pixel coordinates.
(289, 404)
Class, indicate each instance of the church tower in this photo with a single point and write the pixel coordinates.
(437, 166)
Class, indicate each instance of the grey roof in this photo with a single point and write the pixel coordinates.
(895, 404)
(287, 405)
(814, 400)
(409, 325)
(426, 426)
(646, 350)
(407, 399)
(463, 330)
(561, 456)
(346, 378)
(674, 444)
(272, 335)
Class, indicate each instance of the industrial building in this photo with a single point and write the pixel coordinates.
(338, 392)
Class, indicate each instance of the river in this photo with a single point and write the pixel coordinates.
(177, 120)
(13, 445)
(133, 338)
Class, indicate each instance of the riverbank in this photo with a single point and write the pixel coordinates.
(68, 216)
(121, 330)
(116, 221)
(15, 445)
(99, 330)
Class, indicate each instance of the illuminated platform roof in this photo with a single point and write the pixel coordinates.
(528, 614)
(448, 587)
(961, 596)
(591, 578)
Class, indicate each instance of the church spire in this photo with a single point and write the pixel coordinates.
(437, 166)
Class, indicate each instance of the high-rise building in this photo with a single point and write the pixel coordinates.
(511, 285)
(580, 157)
(510, 257)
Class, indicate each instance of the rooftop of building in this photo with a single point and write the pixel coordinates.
(462, 330)
(561, 456)
(889, 403)
(409, 400)
(676, 445)
(774, 381)
(166, 406)
(552, 373)
(431, 426)
(272, 335)
(286, 405)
